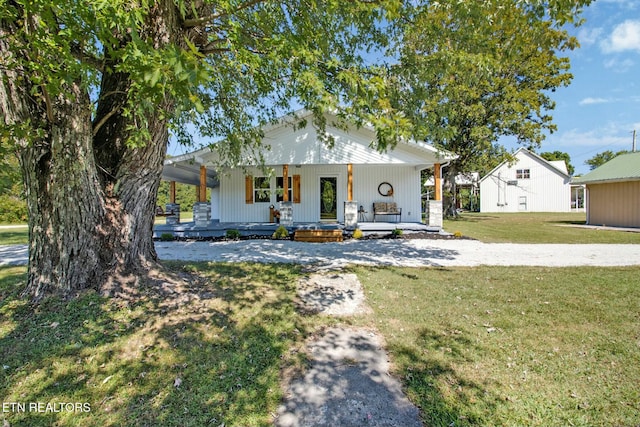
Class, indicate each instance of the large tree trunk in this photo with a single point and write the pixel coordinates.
(90, 197)
(450, 205)
(84, 230)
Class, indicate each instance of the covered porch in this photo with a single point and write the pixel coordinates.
(304, 181)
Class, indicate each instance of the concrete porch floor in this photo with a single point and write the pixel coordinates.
(189, 230)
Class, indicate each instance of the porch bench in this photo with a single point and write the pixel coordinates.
(161, 212)
(387, 208)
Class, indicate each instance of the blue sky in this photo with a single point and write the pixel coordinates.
(601, 107)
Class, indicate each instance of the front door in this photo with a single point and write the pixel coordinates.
(328, 198)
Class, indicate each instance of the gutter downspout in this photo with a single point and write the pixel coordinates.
(442, 166)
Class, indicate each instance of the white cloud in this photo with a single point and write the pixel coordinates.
(619, 66)
(624, 37)
(592, 101)
(592, 138)
(589, 36)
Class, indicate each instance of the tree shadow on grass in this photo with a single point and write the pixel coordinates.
(565, 222)
(11, 237)
(194, 350)
(444, 395)
(474, 218)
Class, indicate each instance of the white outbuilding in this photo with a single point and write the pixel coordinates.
(527, 184)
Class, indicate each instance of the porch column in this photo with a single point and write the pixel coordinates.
(202, 194)
(285, 182)
(434, 218)
(286, 207)
(437, 181)
(349, 182)
(350, 206)
(172, 207)
(202, 209)
(172, 192)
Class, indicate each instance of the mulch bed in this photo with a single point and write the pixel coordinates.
(406, 236)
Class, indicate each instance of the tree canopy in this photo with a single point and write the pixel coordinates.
(210, 68)
(472, 72)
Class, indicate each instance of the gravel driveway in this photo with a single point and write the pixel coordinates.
(401, 252)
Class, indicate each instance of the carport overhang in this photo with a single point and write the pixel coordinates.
(186, 169)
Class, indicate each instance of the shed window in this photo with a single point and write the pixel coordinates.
(523, 174)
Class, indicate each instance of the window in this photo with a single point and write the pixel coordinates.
(261, 189)
(280, 189)
(523, 174)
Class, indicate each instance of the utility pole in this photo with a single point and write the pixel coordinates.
(633, 146)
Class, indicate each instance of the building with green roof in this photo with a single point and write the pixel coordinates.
(613, 192)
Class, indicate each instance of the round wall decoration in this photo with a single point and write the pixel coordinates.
(385, 189)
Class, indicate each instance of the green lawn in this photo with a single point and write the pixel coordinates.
(185, 216)
(210, 354)
(513, 346)
(534, 228)
(20, 235)
(14, 235)
(498, 346)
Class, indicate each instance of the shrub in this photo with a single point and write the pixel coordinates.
(166, 237)
(396, 232)
(457, 234)
(233, 234)
(12, 209)
(357, 234)
(281, 233)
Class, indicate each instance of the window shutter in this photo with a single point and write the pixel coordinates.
(248, 190)
(296, 188)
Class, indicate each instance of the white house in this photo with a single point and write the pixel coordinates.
(315, 178)
(529, 184)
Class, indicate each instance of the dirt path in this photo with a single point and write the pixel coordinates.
(348, 381)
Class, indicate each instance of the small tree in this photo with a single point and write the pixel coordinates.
(602, 158)
(559, 155)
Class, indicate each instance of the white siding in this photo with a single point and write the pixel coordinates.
(406, 185)
(232, 199)
(286, 145)
(546, 190)
(366, 179)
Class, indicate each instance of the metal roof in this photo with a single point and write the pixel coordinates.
(625, 167)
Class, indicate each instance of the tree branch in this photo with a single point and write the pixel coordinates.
(196, 22)
(86, 58)
(102, 121)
